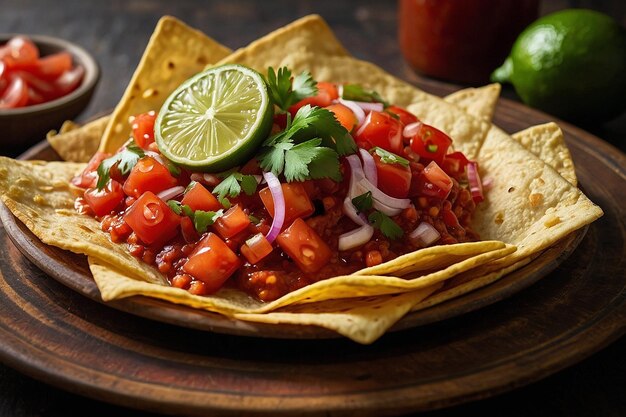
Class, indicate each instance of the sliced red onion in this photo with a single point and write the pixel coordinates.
(356, 237)
(366, 106)
(358, 111)
(389, 205)
(369, 166)
(425, 234)
(476, 187)
(156, 156)
(171, 193)
(352, 213)
(411, 129)
(487, 183)
(366, 122)
(207, 179)
(279, 205)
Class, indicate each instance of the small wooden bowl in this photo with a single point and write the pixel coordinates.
(21, 127)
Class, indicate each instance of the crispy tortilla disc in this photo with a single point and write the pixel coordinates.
(175, 52)
(76, 143)
(479, 102)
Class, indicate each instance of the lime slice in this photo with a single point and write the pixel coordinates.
(215, 120)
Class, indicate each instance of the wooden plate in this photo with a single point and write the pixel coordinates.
(56, 334)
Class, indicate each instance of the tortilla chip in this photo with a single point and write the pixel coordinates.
(175, 52)
(548, 144)
(38, 194)
(479, 102)
(75, 143)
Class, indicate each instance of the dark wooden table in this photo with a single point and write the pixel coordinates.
(116, 32)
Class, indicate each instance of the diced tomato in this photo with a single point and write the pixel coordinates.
(454, 163)
(148, 175)
(52, 66)
(434, 182)
(326, 93)
(15, 94)
(199, 198)
(430, 143)
(297, 201)
(19, 52)
(89, 176)
(69, 80)
(406, 117)
(232, 222)
(256, 248)
(212, 262)
(143, 129)
(151, 219)
(106, 200)
(344, 115)
(190, 234)
(307, 249)
(381, 129)
(393, 179)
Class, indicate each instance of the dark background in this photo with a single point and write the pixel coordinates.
(116, 32)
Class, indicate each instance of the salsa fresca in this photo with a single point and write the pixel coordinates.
(402, 188)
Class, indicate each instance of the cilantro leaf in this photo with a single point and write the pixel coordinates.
(284, 91)
(386, 225)
(125, 161)
(232, 186)
(309, 160)
(203, 219)
(315, 122)
(356, 92)
(175, 206)
(390, 158)
(363, 202)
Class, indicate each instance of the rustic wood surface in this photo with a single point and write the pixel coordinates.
(116, 32)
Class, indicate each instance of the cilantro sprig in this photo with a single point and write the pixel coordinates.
(286, 91)
(125, 161)
(363, 202)
(385, 224)
(356, 92)
(309, 147)
(201, 219)
(232, 185)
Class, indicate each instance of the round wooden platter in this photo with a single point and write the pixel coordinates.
(58, 335)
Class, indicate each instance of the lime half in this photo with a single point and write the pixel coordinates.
(216, 119)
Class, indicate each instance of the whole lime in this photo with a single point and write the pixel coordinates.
(572, 64)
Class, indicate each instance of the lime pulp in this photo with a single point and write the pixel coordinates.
(216, 120)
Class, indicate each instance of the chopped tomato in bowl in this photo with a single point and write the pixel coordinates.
(43, 82)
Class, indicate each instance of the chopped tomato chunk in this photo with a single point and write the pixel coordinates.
(326, 93)
(106, 200)
(454, 163)
(344, 115)
(307, 249)
(256, 248)
(430, 143)
(405, 116)
(143, 129)
(212, 262)
(148, 175)
(381, 129)
(151, 219)
(15, 94)
(393, 179)
(89, 176)
(434, 182)
(232, 222)
(199, 198)
(52, 66)
(297, 201)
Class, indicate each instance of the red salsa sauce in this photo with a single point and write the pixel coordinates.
(424, 195)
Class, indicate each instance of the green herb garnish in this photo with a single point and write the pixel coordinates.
(386, 225)
(363, 202)
(124, 160)
(232, 185)
(284, 91)
(356, 92)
